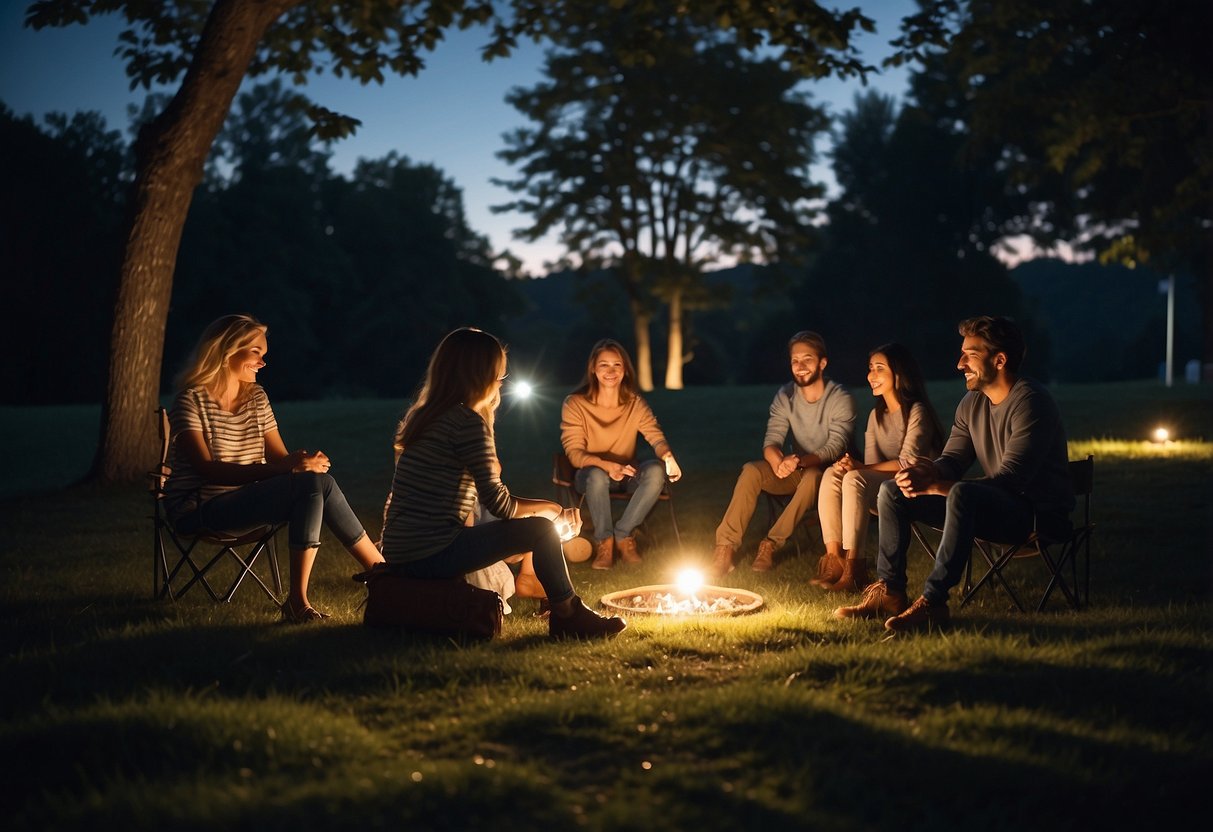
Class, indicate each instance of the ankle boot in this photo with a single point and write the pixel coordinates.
(583, 622)
(829, 570)
(722, 561)
(764, 560)
(604, 554)
(628, 553)
(854, 576)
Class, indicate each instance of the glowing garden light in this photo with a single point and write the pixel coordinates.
(1161, 435)
(522, 390)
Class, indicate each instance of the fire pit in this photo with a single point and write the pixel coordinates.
(671, 599)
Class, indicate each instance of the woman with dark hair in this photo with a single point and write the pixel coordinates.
(598, 428)
(901, 428)
(231, 470)
(448, 459)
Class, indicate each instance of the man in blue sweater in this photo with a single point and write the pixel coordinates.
(1011, 427)
(810, 425)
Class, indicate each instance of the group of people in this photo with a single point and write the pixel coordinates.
(1008, 424)
(231, 469)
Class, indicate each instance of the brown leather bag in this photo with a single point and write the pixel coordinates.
(450, 607)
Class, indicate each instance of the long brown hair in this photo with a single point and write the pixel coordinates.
(589, 384)
(908, 386)
(206, 365)
(464, 369)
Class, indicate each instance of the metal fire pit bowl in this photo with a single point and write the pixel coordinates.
(668, 599)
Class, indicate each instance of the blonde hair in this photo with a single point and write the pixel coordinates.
(206, 365)
(464, 369)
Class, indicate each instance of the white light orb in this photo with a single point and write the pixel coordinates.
(1161, 434)
(523, 389)
(689, 581)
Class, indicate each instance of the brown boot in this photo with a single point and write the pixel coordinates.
(604, 554)
(628, 552)
(829, 570)
(583, 622)
(764, 561)
(854, 576)
(878, 602)
(722, 560)
(922, 615)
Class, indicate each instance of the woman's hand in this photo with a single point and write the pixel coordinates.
(672, 471)
(568, 523)
(844, 464)
(617, 470)
(316, 462)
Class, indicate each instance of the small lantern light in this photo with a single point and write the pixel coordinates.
(1161, 435)
(522, 390)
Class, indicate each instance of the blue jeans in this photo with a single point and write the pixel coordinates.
(971, 509)
(645, 488)
(303, 501)
(479, 546)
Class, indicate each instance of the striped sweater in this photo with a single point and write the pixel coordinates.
(237, 437)
(437, 480)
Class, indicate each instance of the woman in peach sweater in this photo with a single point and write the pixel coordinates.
(598, 428)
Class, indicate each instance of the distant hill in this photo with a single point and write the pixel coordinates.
(1108, 323)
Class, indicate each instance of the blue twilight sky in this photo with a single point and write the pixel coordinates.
(452, 115)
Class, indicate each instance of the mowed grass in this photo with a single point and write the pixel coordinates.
(138, 714)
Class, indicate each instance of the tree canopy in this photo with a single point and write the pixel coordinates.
(212, 47)
(697, 155)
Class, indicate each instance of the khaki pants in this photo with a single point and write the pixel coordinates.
(846, 505)
(757, 477)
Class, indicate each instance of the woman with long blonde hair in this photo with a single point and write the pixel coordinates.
(231, 469)
(448, 459)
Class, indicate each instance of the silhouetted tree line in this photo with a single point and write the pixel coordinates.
(359, 275)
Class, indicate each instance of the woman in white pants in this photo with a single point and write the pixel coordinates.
(901, 428)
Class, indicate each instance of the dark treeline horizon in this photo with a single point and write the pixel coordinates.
(358, 276)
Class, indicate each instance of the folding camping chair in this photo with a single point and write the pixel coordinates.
(1058, 554)
(258, 540)
(563, 477)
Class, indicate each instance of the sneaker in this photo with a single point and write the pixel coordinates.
(878, 602)
(604, 554)
(628, 553)
(583, 622)
(764, 561)
(922, 615)
(722, 560)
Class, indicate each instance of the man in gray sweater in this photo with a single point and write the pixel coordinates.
(1010, 426)
(810, 425)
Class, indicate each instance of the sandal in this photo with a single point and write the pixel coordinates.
(303, 616)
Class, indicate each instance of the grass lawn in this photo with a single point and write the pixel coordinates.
(128, 713)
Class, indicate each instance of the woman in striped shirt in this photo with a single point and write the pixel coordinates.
(231, 470)
(448, 458)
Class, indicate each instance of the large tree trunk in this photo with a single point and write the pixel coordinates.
(170, 154)
(674, 358)
(644, 347)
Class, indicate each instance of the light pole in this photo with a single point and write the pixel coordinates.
(1168, 287)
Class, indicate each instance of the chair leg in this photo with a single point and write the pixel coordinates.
(996, 565)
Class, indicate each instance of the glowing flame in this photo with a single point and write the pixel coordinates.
(522, 389)
(689, 581)
(1161, 434)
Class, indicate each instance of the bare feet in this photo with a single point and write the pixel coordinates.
(528, 586)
